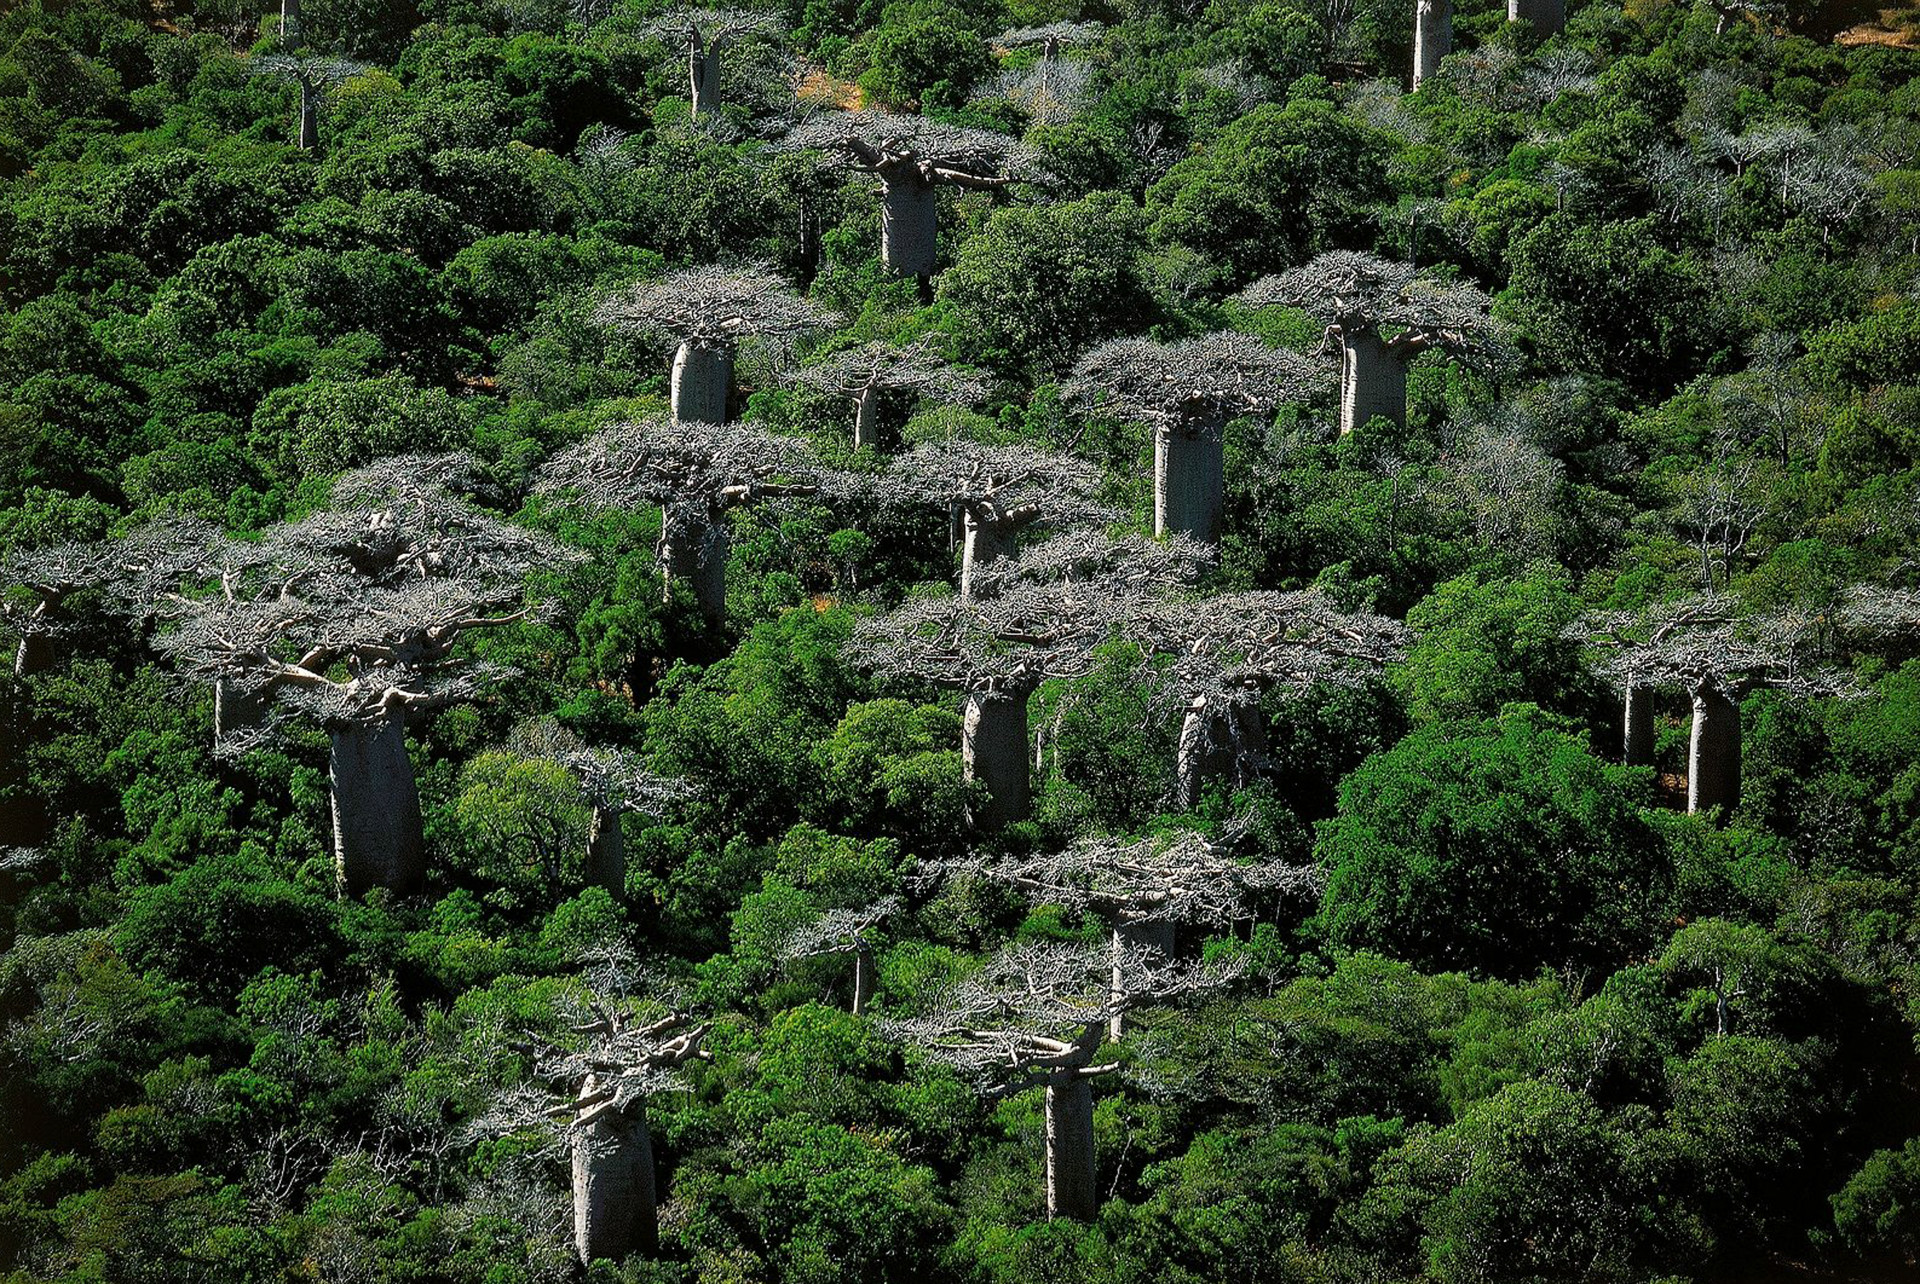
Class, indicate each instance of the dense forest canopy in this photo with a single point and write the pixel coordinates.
(894, 640)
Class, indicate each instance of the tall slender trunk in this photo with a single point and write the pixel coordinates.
(377, 834)
(702, 375)
(1373, 380)
(1156, 937)
(1432, 37)
(809, 242)
(703, 73)
(607, 852)
(309, 117)
(909, 224)
(1189, 477)
(615, 1207)
(866, 418)
(984, 542)
(1549, 17)
(236, 709)
(862, 979)
(290, 24)
(696, 551)
(993, 747)
(34, 654)
(1216, 743)
(1637, 733)
(1713, 755)
(1070, 1180)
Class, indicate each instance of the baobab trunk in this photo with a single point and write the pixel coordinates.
(984, 543)
(702, 376)
(1637, 737)
(698, 556)
(607, 852)
(1070, 1188)
(909, 225)
(377, 836)
(1373, 380)
(1156, 938)
(34, 654)
(703, 73)
(1713, 756)
(1189, 478)
(866, 418)
(614, 1203)
(809, 242)
(290, 23)
(1548, 17)
(1216, 744)
(862, 979)
(993, 746)
(309, 117)
(1432, 37)
(236, 710)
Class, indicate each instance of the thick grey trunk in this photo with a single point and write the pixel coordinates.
(33, 655)
(309, 117)
(607, 852)
(993, 746)
(702, 375)
(1713, 755)
(1189, 478)
(703, 74)
(984, 543)
(698, 555)
(1637, 733)
(866, 418)
(290, 23)
(1070, 1182)
(1217, 743)
(615, 1210)
(377, 836)
(1156, 937)
(909, 226)
(1373, 380)
(1432, 37)
(862, 979)
(236, 710)
(1548, 17)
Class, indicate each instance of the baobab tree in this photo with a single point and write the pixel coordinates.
(353, 617)
(997, 650)
(315, 74)
(1432, 36)
(1085, 554)
(995, 494)
(844, 931)
(706, 312)
(914, 157)
(42, 580)
(1034, 1017)
(1144, 889)
(1054, 88)
(1380, 315)
(873, 370)
(1546, 17)
(1187, 391)
(707, 32)
(696, 472)
(612, 782)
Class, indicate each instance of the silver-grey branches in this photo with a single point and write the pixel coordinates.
(868, 372)
(845, 931)
(707, 32)
(315, 74)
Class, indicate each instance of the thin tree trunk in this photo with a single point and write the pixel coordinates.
(377, 834)
(33, 655)
(993, 747)
(1713, 755)
(809, 242)
(862, 979)
(1373, 380)
(703, 73)
(1432, 37)
(1070, 1183)
(1216, 744)
(909, 225)
(1189, 477)
(698, 555)
(309, 117)
(866, 418)
(1548, 17)
(615, 1209)
(290, 24)
(1637, 737)
(702, 375)
(1157, 937)
(983, 544)
(607, 852)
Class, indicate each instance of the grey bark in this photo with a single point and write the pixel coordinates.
(909, 224)
(290, 24)
(1189, 477)
(235, 710)
(614, 1203)
(1637, 733)
(702, 375)
(866, 418)
(983, 544)
(1373, 379)
(309, 117)
(1713, 754)
(1157, 936)
(699, 558)
(607, 852)
(1216, 743)
(703, 72)
(377, 835)
(809, 242)
(862, 979)
(1548, 17)
(1432, 37)
(1070, 1179)
(993, 746)
(34, 654)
